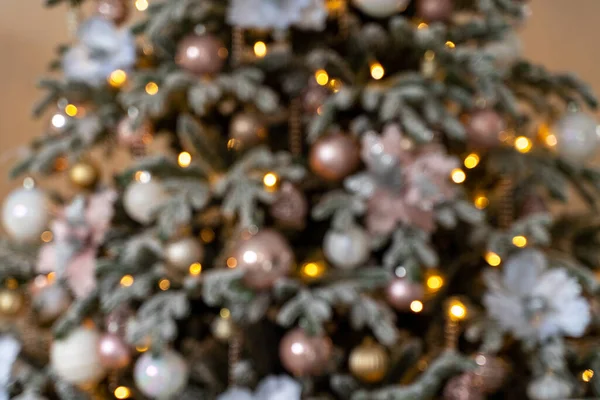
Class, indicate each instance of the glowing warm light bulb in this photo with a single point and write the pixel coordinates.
(472, 160)
(458, 175)
(58, 121)
(416, 306)
(523, 144)
(481, 201)
(71, 110)
(225, 313)
(143, 176)
(207, 235)
(51, 277)
(141, 5)
(520, 241)
(46, 236)
(450, 44)
(122, 392)
(195, 269)
(151, 88)
(435, 283)
(377, 71)
(457, 311)
(313, 270)
(231, 262)
(127, 281)
(260, 49)
(184, 159)
(164, 284)
(335, 85)
(322, 77)
(270, 180)
(117, 78)
(587, 375)
(551, 140)
(493, 259)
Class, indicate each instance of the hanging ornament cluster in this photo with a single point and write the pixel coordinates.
(182, 253)
(402, 292)
(369, 362)
(247, 130)
(201, 55)
(25, 214)
(577, 137)
(84, 174)
(142, 199)
(435, 10)
(335, 156)
(381, 8)
(265, 258)
(347, 249)
(161, 377)
(116, 11)
(484, 127)
(304, 355)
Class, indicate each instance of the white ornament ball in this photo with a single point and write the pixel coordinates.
(75, 358)
(141, 200)
(183, 253)
(381, 8)
(161, 377)
(25, 214)
(577, 137)
(347, 249)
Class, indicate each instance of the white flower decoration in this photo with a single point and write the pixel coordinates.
(102, 48)
(533, 302)
(271, 388)
(278, 14)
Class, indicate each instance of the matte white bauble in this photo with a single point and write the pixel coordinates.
(577, 137)
(347, 249)
(25, 214)
(184, 252)
(161, 377)
(142, 199)
(75, 358)
(381, 8)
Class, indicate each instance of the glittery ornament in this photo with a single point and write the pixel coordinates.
(182, 253)
(289, 207)
(369, 362)
(335, 156)
(463, 387)
(347, 249)
(161, 377)
(142, 199)
(11, 302)
(116, 11)
(435, 10)
(265, 257)
(113, 351)
(201, 55)
(84, 174)
(381, 8)
(491, 370)
(401, 292)
(577, 137)
(75, 358)
(25, 214)
(51, 302)
(133, 138)
(484, 127)
(304, 355)
(247, 129)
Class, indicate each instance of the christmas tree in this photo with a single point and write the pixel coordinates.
(325, 199)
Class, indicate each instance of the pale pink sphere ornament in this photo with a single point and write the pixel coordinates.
(161, 377)
(266, 257)
(484, 128)
(463, 387)
(201, 55)
(435, 10)
(131, 137)
(116, 11)
(113, 352)
(335, 156)
(401, 292)
(304, 355)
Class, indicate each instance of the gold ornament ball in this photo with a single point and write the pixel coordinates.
(11, 302)
(222, 329)
(247, 129)
(369, 362)
(84, 174)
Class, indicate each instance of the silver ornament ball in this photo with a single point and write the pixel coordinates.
(347, 249)
(161, 377)
(381, 8)
(577, 137)
(182, 253)
(142, 199)
(25, 214)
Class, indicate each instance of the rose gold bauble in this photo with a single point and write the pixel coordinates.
(116, 11)
(247, 129)
(484, 128)
(491, 370)
(133, 138)
(201, 55)
(265, 257)
(290, 206)
(304, 355)
(435, 10)
(463, 387)
(335, 156)
(51, 302)
(369, 362)
(401, 292)
(113, 352)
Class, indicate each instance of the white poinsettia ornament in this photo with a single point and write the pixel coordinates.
(533, 302)
(271, 388)
(278, 14)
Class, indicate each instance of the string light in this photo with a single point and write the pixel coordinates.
(520, 241)
(260, 49)
(416, 306)
(458, 175)
(151, 88)
(450, 44)
(377, 71)
(457, 311)
(335, 85)
(493, 259)
(141, 5)
(127, 281)
(270, 181)
(587, 375)
(122, 392)
(142, 348)
(184, 159)
(225, 313)
(207, 235)
(164, 284)
(46, 236)
(233, 144)
(434, 283)
(422, 25)
(481, 201)
(231, 262)
(51, 277)
(471, 161)
(322, 77)
(523, 144)
(12, 283)
(117, 78)
(58, 121)
(313, 270)
(143, 176)
(71, 110)
(195, 269)
(551, 140)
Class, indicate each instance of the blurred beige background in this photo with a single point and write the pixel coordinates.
(562, 34)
